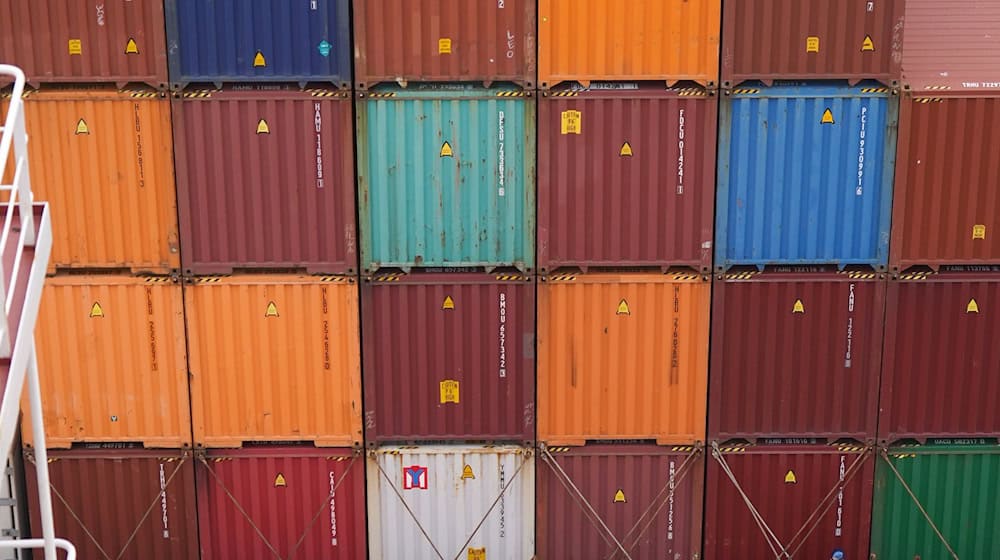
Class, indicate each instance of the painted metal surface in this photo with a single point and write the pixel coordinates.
(816, 499)
(796, 353)
(940, 376)
(622, 356)
(649, 497)
(265, 179)
(258, 41)
(951, 46)
(274, 358)
(626, 176)
(449, 356)
(446, 177)
(664, 40)
(805, 175)
(451, 501)
(444, 41)
(282, 501)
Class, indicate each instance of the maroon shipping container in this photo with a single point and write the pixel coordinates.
(940, 378)
(796, 353)
(603, 501)
(265, 179)
(449, 356)
(114, 501)
(626, 176)
(291, 502)
(951, 45)
(814, 499)
(444, 41)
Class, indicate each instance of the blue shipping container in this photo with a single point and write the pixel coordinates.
(805, 175)
(220, 41)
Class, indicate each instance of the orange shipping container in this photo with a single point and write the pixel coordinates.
(274, 358)
(112, 362)
(622, 356)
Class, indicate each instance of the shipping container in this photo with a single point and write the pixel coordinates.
(265, 179)
(258, 41)
(449, 355)
(663, 40)
(451, 501)
(282, 501)
(274, 358)
(796, 352)
(852, 40)
(444, 41)
(66, 41)
(955, 489)
(805, 175)
(114, 369)
(446, 177)
(626, 176)
(622, 356)
(810, 500)
(643, 501)
(951, 46)
(941, 356)
(115, 501)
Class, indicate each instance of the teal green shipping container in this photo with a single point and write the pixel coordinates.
(957, 483)
(446, 177)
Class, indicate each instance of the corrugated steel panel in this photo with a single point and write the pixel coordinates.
(451, 501)
(474, 152)
(282, 501)
(265, 179)
(274, 358)
(805, 175)
(815, 498)
(631, 182)
(59, 41)
(852, 40)
(258, 41)
(622, 356)
(449, 356)
(941, 357)
(649, 498)
(444, 41)
(796, 353)
(951, 45)
(116, 502)
(668, 40)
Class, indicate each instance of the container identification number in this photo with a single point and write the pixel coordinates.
(861, 151)
(680, 149)
(501, 157)
(503, 335)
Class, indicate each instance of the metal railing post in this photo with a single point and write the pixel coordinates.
(41, 457)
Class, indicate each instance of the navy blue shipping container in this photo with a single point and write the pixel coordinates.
(221, 41)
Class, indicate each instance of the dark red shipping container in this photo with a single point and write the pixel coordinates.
(265, 179)
(449, 355)
(951, 46)
(102, 494)
(942, 359)
(815, 499)
(626, 176)
(796, 352)
(289, 502)
(603, 501)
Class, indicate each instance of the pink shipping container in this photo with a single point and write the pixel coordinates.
(951, 46)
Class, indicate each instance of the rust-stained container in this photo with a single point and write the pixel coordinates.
(771, 40)
(661, 40)
(282, 501)
(274, 358)
(115, 501)
(951, 45)
(265, 179)
(941, 355)
(626, 176)
(622, 356)
(796, 352)
(814, 499)
(648, 498)
(449, 355)
(444, 41)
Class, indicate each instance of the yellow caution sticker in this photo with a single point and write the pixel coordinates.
(75, 46)
(626, 150)
(572, 122)
(279, 481)
(131, 47)
(467, 472)
(797, 307)
(477, 553)
(444, 45)
(262, 127)
(258, 60)
(973, 307)
(827, 117)
(979, 231)
(623, 308)
(96, 310)
(448, 303)
(449, 391)
(620, 497)
(790, 477)
(81, 127)
(446, 150)
(812, 44)
(272, 310)
(868, 44)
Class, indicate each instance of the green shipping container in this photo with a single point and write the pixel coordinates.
(446, 177)
(957, 482)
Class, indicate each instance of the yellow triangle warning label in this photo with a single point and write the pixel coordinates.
(867, 44)
(96, 310)
(131, 47)
(446, 150)
(798, 307)
(262, 127)
(467, 472)
(827, 117)
(619, 497)
(448, 303)
(272, 310)
(280, 481)
(790, 477)
(626, 150)
(81, 127)
(258, 60)
(623, 308)
(973, 307)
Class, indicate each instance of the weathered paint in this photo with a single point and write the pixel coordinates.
(446, 177)
(951, 46)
